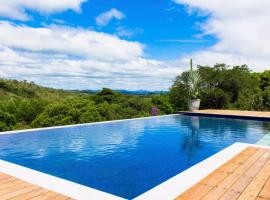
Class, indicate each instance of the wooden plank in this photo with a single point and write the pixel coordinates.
(199, 190)
(12, 188)
(224, 186)
(232, 169)
(245, 177)
(195, 193)
(265, 192)
(253, 189)
(235, 113)
(260, 198)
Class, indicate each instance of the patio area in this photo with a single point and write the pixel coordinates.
(13, 188)
(244, 177)
(230, 113)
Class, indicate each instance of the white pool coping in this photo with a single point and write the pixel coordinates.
(62, 186)
(178, 184)
(84, 124)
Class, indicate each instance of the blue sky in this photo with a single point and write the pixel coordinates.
(167, 21)
(90, 44)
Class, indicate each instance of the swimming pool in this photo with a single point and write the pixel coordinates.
(127, 158)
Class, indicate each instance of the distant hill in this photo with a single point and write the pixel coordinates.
(130, 92)
(23, 89)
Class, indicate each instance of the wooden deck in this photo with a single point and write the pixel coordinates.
(245, 177)
(257, 114)
(12, 188)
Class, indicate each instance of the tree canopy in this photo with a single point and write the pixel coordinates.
(225, 87)
(27, 105)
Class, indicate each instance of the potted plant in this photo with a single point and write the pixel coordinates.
(194, 80)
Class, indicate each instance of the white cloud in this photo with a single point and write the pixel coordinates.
(70, 41)
(104, 18)
(17, 9)
(71, 58)
(242, 28)
(128, 32)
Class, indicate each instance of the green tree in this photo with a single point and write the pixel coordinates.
(265, 79)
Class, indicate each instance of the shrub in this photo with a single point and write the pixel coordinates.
(214, 98)
(266, 98)
(250, 100)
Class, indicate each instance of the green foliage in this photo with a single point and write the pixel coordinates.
(265, 79)
(266, 98)
(250, 100)
(7, 121)
(163, 103)
(223, 87)
(27, 105)
(194, 82)
(214, 98)
(178, 93)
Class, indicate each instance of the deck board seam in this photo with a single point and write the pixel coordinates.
(251, 181)
(235, 180)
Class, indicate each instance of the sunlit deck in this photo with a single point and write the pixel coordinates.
(13, 188)
(245, 177)
(232, 113)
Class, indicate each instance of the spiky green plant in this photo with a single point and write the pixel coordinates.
(194, 80)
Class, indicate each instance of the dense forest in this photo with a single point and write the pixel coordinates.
(27, 105)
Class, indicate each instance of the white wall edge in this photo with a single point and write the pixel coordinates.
(55, 184)
(176, 185)
(84, 124)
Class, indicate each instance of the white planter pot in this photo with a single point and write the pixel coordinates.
(194, 105)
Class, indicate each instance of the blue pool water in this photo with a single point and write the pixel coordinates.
(127, 158)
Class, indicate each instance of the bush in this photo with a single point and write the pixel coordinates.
(163, 104)
(178, 97)
(214, 98)
(7, 121)
(57, 114)
(90, 115)
(266, 99)
(250, 100)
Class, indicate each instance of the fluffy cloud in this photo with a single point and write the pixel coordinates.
(70, 41)
(242, 28)
(71, 58)
(104, 18)
(16, 9)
